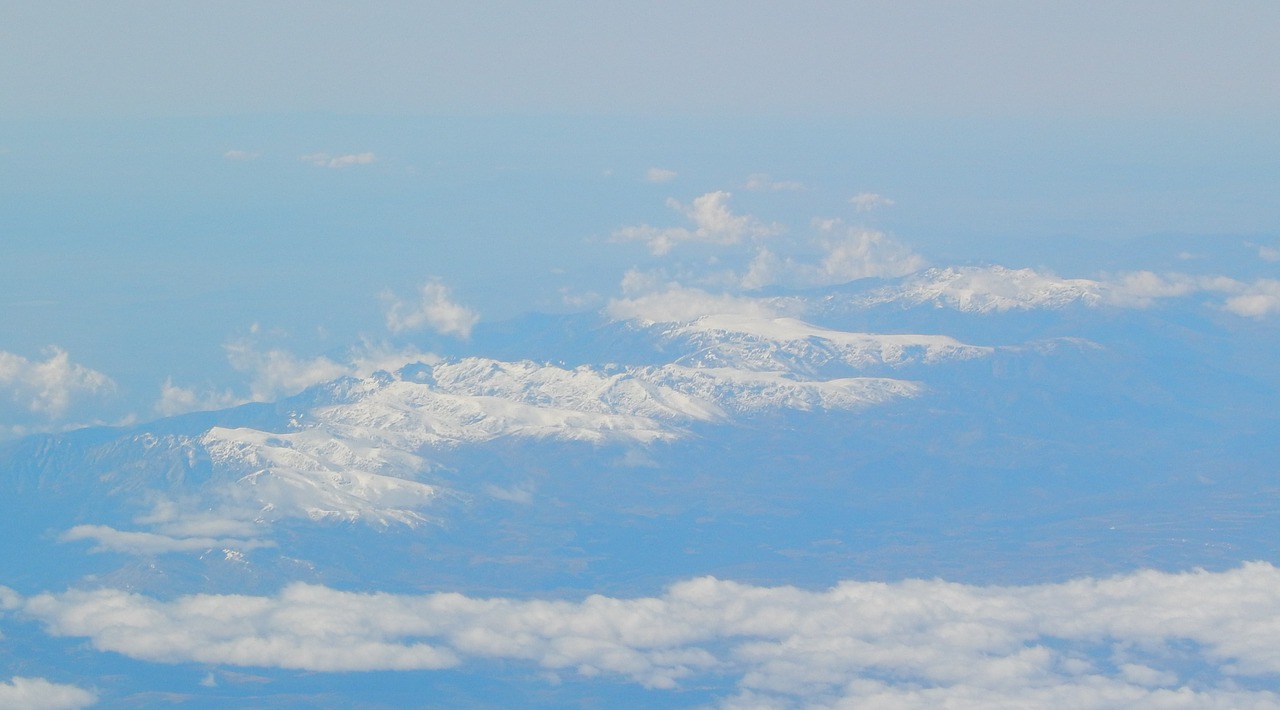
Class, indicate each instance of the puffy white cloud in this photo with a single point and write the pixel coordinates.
(849, 253)
(324, 160)
(761, 182)
(1148, 639)
(21, 693)
(713, 223)
(868, 201)
(49, 387)
(434, 309)
(1261, 298)
(659, 175)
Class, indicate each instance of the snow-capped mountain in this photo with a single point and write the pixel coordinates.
(887, 439)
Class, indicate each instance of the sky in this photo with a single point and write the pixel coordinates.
(204, 205)
(931, 59)
(180, 180)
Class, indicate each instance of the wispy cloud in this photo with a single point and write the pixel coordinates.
(108, 539)
(1149, 639)
(180, 400)
(868, 201)
(21, 693)
(713, 223)
(849, 253)
(659, 175)
(986, 289)
(761, 182)
(680, 304)
(325, 160)
(241, 155)
(434, 309)
(278, 372)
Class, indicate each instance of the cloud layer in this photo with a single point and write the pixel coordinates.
(1150, 639)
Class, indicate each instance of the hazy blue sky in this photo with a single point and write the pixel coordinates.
(717, 57)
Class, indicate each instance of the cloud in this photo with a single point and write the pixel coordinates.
(49, 387)
(850, 253)
(1261, 298)
(761, 182)
(1267, 253)
(371, 357)
(989, 289)
(434, 309)
(108, 539)
(324, 160)
(1145, 639)
(21, 693)
(680, 304)
(180, 400)
(278, 372)
(659, 175)
(713, 223)
(242, 155)
(868, 201)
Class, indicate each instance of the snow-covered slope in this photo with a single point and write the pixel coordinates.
(365, 449)
(987, 289)
(790, 344)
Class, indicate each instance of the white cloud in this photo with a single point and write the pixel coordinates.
(659, 175)
(997, 288)
(1267, 253)
(1145, 639)
(434, 309)
(371, 357)
(761, 182)
(868, 201)
(850, 253)
(713, 223)
(180, 400)
(679, 304)
(241, 155)
(1261, 298)
(21, 693)
(108, 539)
(324, 160)
(278, 372)
(49, 387)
